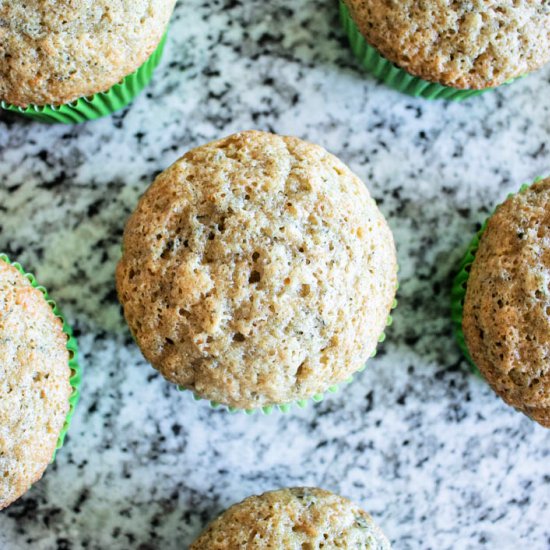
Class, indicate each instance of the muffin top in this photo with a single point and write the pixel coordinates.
(506, 317)
(293, 519)
(34, 383)
(467, 45)
(257, 270)
(54, 52)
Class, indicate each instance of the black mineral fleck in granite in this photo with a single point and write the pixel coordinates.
(427, 448)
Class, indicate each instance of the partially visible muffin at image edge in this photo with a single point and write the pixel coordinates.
(464, 45)
(293, 519)
(54, 53)
(506, 317)
(256, 271)
(34, 383)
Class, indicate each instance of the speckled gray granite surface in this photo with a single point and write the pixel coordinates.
(426, 447)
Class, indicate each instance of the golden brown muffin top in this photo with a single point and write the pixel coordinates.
(293, 519)
(34, 383)
(506, 318)
(463, 44)
(56, 51)
(257, 270)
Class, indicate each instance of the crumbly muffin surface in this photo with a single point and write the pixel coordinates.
(468, 45)
(53, 52)
(506, 318)
(34, 383)
(257, 270)
(293, 519)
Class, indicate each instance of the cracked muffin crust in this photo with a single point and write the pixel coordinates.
(52, 52)
(34, 383)
(472, 44)
(294, 519)
(506, 319)
(257, 271)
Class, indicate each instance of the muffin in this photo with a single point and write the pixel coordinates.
(39, 381)
(451, 50)
(75, 61)
(502, 301)
(293, 519)
(257, 271)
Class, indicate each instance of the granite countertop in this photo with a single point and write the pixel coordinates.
(425, 446)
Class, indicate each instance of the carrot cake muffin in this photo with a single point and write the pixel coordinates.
(506, 316)
(257, 270)
(52, 53)
(465, 45)
(34, 383)
(293, 519)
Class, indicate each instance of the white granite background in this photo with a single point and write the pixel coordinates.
(426, 447)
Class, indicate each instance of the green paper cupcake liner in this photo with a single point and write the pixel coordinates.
(460, 284)
(391, 74)
(302, 403)
(72, 347)
(98, 105)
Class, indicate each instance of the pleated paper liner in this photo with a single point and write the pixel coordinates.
(302, 403)
(98, 105)
(460, 285)
(389, 73)
(72, 347)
